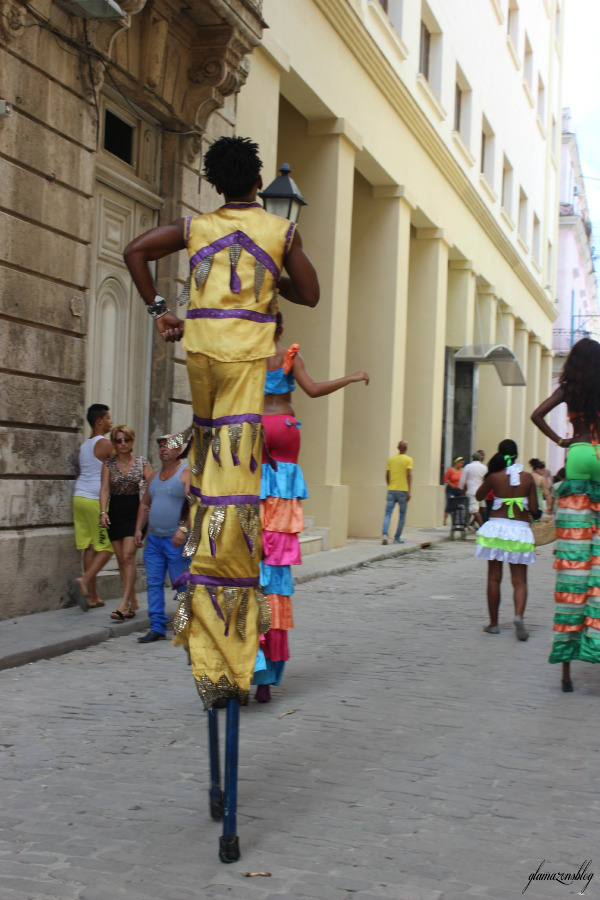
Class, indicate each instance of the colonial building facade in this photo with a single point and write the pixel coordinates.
(424, 136)
(109, 121)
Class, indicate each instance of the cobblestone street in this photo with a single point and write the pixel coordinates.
(407, 755)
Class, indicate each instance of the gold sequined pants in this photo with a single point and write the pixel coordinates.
(225, 610)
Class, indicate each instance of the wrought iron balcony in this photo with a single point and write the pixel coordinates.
(564, 338)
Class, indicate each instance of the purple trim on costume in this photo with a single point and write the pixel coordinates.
(228, 420)
(288, 237)
(249, 542)
(236, 237)
(213, 547)
(188, 223)
(217, 608)
(241, 204)
(235, 458)
(235, 285)
(215, 581)
(226, 499)
(253, 463)
(210, 313)
(180, 581)
(215, 454)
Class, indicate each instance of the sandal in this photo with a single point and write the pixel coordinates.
(492, 629)
(117, 616)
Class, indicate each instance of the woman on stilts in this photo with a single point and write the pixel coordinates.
(281, 494)
(236, 257)
(577, 515)
(507, 536)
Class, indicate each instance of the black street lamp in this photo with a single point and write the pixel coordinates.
(282, 197)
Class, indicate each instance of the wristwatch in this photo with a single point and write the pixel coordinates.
(158, 308)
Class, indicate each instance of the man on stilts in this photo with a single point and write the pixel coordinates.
(236, 259)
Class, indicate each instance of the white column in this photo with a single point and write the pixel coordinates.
(373, 416)
(519, 394)
(424, 385)
(534, 362)
(490, 425)
(321, 155)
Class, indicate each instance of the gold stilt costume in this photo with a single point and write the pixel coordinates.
(236, 256)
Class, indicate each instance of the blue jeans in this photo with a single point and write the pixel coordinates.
(394, 497)
(160, 557)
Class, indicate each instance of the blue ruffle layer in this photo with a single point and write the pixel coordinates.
(287, 482)
(276, 580)
(271, 675)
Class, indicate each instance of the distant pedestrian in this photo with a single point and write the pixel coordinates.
(507, 536)
(89, 536)
(538, 470)
(398, 477)
(163, 507)
(452, 481)
(124, 478)
(471, 479)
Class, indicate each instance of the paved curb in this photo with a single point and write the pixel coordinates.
(29, 639)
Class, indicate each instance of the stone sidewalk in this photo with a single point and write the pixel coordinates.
(44, 635)
(407, 755)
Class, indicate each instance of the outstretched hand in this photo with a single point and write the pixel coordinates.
(360, 376)
(170, 327)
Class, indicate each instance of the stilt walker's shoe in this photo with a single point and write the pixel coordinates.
(229, 848)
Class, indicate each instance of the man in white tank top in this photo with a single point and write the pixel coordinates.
(89, 537)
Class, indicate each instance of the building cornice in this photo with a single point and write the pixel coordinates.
(351, 29)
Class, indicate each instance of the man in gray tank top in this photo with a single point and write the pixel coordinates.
(164, 508)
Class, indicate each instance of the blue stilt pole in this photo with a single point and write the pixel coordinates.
(215, 792)
(229, 846)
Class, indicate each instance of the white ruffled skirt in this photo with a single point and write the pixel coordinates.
(506, 540)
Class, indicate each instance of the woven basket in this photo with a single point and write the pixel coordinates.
(544, 531)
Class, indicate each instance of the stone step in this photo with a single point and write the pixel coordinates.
(310, 543)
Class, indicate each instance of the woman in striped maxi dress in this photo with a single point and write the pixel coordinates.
(577, 554)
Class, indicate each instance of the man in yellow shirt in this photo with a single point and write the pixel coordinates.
(398, 477)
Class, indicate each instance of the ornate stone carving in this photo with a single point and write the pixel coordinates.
(12, 19)
(222, 70)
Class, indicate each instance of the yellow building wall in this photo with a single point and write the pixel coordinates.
(413, 250)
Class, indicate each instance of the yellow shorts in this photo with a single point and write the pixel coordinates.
(86, 519)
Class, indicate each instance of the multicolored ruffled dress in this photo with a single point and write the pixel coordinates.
(507, 539)
(577, 559)
(282, 518)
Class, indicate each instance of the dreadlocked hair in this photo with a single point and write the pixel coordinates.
(580, 378)
(506, 448)
(232, 166)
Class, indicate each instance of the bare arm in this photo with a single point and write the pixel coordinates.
(104, 495)
(409, 479)
(142, 516)
(153, 245)
(103, 449)
(539, 414)
(322, 388)
(484, 488)
(302, 285)
(387, 476)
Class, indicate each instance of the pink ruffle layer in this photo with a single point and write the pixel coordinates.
(281, 549)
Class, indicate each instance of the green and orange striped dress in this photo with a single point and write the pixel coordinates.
(577, 559)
